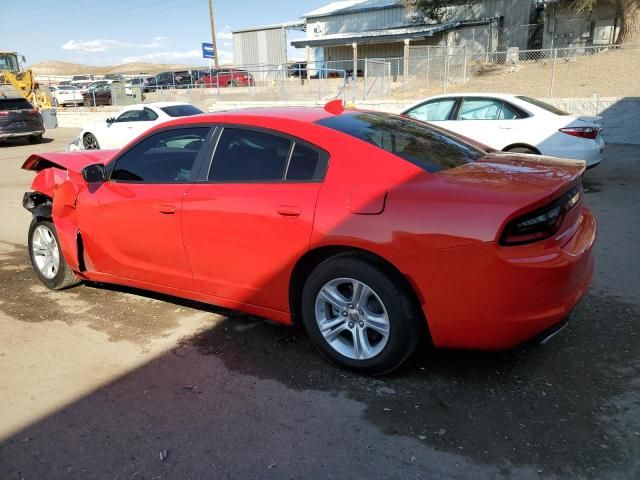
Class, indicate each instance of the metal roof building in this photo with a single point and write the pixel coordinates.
(346, 30)
(263, 45)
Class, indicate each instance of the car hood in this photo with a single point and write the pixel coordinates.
(72, 161)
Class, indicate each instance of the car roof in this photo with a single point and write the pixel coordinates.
(295, 114)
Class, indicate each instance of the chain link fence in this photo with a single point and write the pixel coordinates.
(584, 71)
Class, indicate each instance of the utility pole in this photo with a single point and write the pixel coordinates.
(213, 34)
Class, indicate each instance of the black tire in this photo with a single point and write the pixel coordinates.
(522, 150)
(86, 102)
(232, 83)
(64, 276)
(406, 322)
(34, 139)
(90, 142)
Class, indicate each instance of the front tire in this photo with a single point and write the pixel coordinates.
(358, 316)
(46, 256)
(90, 142)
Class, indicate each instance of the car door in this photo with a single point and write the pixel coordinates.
(245, 227)
(121, 130)
(131, 223)
(490, 121)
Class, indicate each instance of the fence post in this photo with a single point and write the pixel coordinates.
(464, 67)
(366, 73)
(553, 71)
(428, 66)
(446, 70)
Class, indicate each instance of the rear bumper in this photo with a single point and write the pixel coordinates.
(493, 298)
(20, 133)
(591, 151)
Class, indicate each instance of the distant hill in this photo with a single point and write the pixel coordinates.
(54, 67)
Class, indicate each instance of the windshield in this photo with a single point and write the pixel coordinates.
(543, 105)
(181, 110)
(408, 139)
(9, 62)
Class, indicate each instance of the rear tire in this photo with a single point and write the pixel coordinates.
(522, 150)
(46, 256)
(373, 332)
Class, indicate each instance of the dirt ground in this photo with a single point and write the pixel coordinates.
(108, 383)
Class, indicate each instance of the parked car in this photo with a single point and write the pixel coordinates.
(181, 79)
(66, 95)
(141, 83)
(227, 77)
(20, 119)
(130, 122)
(373, 231)
(81, 80)
(515, 123)
(115, 77)
(101, 95)
(298, 70)
(95, 84)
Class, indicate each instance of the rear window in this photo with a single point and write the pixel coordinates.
(410, 140)
(15, 104)
(181, 110)
(543, 105)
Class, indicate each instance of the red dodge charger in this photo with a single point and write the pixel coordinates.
(371, 230)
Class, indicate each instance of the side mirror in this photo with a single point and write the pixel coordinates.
(110, 120)
(94, 173)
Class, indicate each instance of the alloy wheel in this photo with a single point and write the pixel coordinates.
(352, 318)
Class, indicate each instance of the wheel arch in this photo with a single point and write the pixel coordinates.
(311, 259)
(522, 145)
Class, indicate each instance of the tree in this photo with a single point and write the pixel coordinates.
(627, 10)
(433, 10)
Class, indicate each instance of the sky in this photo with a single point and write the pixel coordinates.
(111, 32)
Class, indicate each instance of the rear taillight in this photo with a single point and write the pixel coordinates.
(542, 223)
(582, 132)
(4, 113)
(33, 111)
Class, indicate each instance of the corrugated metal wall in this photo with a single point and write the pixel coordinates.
(260, 47)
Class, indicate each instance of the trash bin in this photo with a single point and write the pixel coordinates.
(49, 117)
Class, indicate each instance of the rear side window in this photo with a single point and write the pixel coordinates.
(247, 155)
(181, 110)
(166, 157)
(15, 104)
(416, 142)
(255, 156)
(543, 105)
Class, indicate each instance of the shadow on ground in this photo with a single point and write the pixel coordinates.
(251, 399)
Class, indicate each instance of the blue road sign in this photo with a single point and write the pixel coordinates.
(207, 50)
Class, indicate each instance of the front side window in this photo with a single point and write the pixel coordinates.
(436, 110)
(416, 142)
(165, 157)
(129, 116)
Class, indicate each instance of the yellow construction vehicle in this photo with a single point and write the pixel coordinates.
(17, 82)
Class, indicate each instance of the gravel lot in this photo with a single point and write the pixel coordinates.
(114, 383)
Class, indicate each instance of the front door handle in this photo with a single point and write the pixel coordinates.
(289, 211)
(167, 209)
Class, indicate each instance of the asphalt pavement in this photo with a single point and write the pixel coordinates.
(111, 383)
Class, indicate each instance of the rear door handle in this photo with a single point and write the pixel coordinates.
(289, 211)
(167, 209)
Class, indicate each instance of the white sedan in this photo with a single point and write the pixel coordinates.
(127, 124)
(515, 123)
(66, 95)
